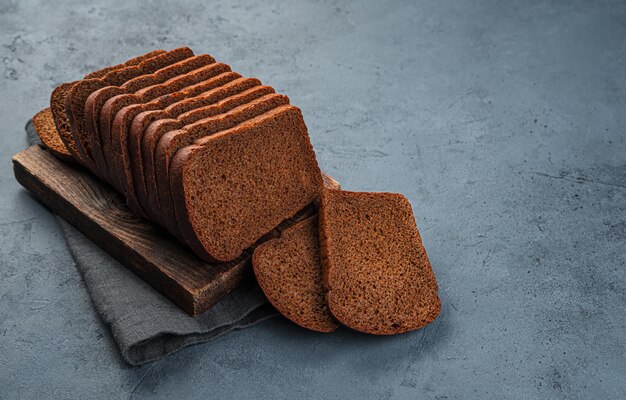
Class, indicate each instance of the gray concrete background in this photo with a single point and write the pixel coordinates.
(504, 124)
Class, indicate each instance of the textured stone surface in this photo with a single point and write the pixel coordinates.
(502, 123)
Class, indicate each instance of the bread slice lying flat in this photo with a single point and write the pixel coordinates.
(47, 132)
(289, 272)
(376, 271)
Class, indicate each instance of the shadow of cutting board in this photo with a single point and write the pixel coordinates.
(100, 213)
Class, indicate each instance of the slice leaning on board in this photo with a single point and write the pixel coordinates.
(221, 161)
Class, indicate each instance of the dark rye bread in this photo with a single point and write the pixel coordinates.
(157, 96)
(376, 271)
(77, 95)
(103, 104)
(289, 272)
(237, 185)
(57, 101)
(195, 124)
(225, 116)
(147, 127)
(47, 132)
(61, 121)
(130, 138)
(179, 82)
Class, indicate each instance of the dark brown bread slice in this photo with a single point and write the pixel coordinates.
(57, 101)
(96, 101)
(122, 127)
(102, 105)
(200, 122)
(193, 83)
(152, 124)
(376, 271)
(47, 132)
(289, 272)
(225, 117)
(57, 106)
(185, 76)
(239, 184)
(77, 95)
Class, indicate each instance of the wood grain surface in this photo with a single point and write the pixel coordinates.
(100, 213)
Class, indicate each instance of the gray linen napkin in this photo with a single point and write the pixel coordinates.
(145, 325)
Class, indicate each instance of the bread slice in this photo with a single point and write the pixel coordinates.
(102, 105)
(47, 132)
(233, 187)
(223, 119)
(199, 122)
(57, 101)
(289, 272)
(376, 271)
(77, 95)
(197, 81)
(129, 132)
(148, 127)
(114, 105)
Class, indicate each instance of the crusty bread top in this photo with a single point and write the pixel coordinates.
(378, 276)
(288, 270)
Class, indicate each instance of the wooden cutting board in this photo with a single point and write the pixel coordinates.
(100, 213)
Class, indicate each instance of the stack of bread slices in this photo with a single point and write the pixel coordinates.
(220, 160)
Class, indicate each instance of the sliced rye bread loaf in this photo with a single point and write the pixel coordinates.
(102, 105)
(77, 95)
(289, 272)
(196, 82)
(189, 127)
(123, 127)
(376, 271)
(47, 132)
(225, 117)
(259, 173)
(57, 101)
(148, 126)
